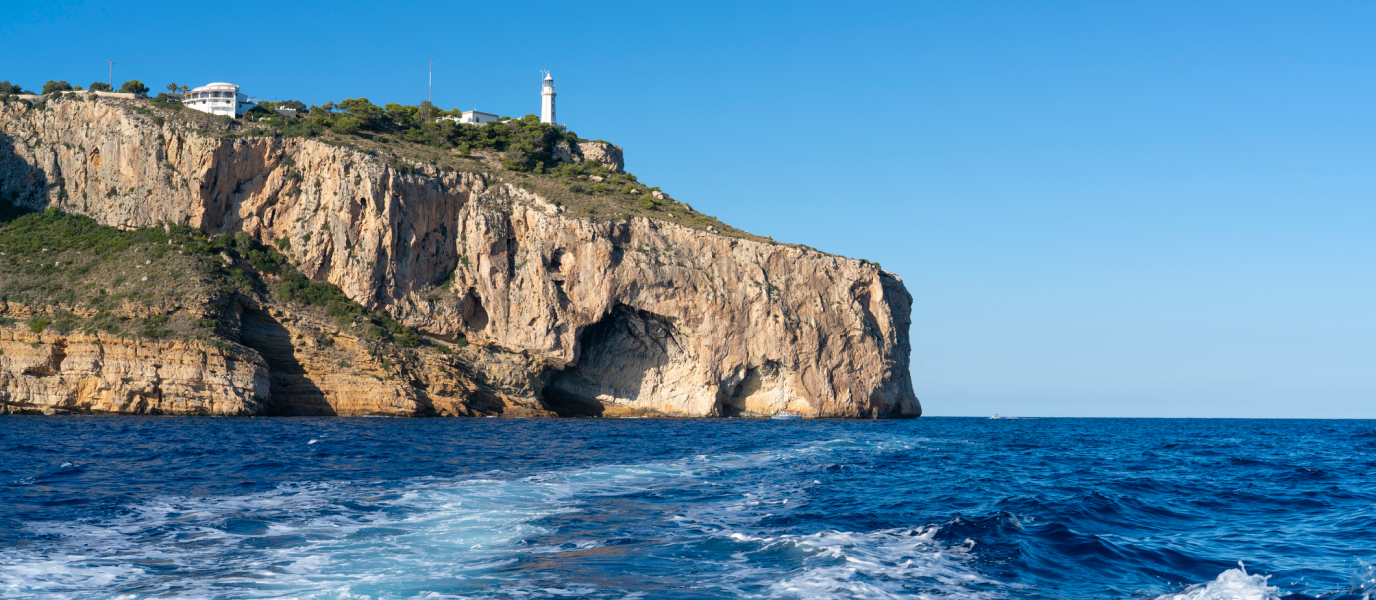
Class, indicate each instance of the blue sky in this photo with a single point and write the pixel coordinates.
(1153, 209)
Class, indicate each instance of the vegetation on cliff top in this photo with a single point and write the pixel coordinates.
(523, 152)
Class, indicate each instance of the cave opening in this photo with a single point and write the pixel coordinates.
(474, 315)
(291, 389)
(617, 359)
(734, 401)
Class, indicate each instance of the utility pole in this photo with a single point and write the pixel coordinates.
(112, 74)
(430, 88)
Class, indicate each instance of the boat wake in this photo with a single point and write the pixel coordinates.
(818, 519)
(500, 537)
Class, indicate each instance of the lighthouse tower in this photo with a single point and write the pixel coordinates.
(547, 100)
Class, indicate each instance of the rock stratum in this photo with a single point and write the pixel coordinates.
(526, 308)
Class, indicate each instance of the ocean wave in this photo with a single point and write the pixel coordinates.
(558, 509)
(1233, 584)
(475, 536)
(879, 564)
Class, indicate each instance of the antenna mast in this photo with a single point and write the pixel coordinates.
(430, 89)
(112, 74)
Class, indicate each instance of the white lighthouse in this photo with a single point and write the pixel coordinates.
(547, 100)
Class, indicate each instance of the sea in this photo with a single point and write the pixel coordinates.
(353, 508)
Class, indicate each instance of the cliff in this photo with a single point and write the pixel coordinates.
(534, 294)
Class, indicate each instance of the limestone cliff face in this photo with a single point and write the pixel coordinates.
(583, 316)
(81, 372)
(291, 362)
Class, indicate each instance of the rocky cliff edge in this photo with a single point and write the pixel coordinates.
(649, 313)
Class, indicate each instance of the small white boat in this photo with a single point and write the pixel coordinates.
(995, 416)
(785, 416)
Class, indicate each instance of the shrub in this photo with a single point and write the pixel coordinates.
(99, 86)
(38, 324)
(134, 86)
(166, 102)
(406, 338)
(65, 323)
(155, 327)
(56, 86)
(7, 88)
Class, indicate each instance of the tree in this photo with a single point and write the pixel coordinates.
(185, 89)
(347, 124)
(56, 86)
(99, 86)
(427, 112)
(172, 87)
(320, 115)
(135, 87)
(9, 88)
(294, 104)
(368, 114)
(403, 117)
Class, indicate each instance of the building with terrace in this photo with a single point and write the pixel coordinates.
(219, 99)
(472, 117)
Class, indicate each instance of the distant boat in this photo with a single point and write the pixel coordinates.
(785, 416)
(995, 416)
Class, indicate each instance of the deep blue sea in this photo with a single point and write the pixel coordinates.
(170, 507)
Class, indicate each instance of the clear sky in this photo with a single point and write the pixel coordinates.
(1101, 208)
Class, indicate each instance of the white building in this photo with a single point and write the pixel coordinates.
(473, 117)
(219, 99)
(547, 100)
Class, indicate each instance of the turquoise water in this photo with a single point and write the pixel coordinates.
(132, 507)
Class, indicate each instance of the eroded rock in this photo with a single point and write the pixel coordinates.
(566, 314)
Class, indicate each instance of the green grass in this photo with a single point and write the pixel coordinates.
(63, 265)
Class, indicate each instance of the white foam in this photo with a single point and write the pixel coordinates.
(1363, 580)
(882, 564)
(471, 536)
(1233, 584)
